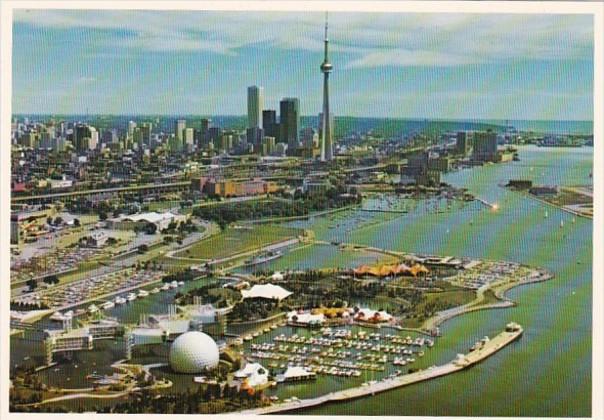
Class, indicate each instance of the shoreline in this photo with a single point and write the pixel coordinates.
(499, 292)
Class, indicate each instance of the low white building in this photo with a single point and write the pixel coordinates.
(253, 374)
(305, 318)
(140, 220)
(366, 314)
(97, 239)
(296, 373)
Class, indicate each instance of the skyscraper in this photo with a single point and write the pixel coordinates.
(463, 143)
(269, 123)
(255, 103)
(326, 68)
(485, 146)
(179, 127)
(290, 123)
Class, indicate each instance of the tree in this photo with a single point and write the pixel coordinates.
(150, 229)
(102, 215)
(76, 222)
(143, 248)
(51, 279)
(32, 284)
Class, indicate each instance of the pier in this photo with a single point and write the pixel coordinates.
(510, 334)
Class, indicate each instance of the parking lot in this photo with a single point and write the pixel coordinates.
(75, 293)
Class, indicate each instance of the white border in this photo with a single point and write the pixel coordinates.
(546, 7)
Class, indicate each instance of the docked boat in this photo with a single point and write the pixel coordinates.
(108, 305)
(165, 287)
(181, 283)
(58, 316)
(93, 309)
(120, 300)
(264, 257)
(154, 290)
(131, 297)
(174, 284)
(143, 293)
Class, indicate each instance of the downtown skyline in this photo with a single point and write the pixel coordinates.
(400, 66)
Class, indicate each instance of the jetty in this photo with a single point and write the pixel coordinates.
(511, 333)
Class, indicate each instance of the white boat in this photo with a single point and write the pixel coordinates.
(174, 284)
(165, 287)
(93, 309)
(181, 283)
(546, 215)
(58, 316)
(120, 300)
(143, 293)
(154, 290)
(108, 305)
(131, 297)
(561, 223)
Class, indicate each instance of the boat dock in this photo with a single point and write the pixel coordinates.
(463, 361)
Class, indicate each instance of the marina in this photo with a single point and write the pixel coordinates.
(511, 333)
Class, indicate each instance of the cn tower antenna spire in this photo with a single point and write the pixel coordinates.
(325, 124)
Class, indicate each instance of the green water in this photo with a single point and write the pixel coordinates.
(547, 372)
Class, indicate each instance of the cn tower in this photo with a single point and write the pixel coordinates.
(326, 68)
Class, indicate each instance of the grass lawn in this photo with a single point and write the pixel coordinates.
(455, 297)
(235, 241)
(489, 297)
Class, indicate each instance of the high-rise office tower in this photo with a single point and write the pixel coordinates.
(146, 129)
(308, 137)
(255, 103)
(179, 127)
(131, 127)
(204, 132)
(326, 140)
(82, 135)
(463, 143)
(254, 136)
(290, 123)
(188, 137)
(269, 123)
(485, 146)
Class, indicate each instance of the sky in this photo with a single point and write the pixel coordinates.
(448, 66)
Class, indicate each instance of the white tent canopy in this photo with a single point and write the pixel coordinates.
(268, 291)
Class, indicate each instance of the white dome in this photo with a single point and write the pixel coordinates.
(193, 352)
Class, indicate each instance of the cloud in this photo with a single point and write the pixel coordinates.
(405, 58)
(378, 39)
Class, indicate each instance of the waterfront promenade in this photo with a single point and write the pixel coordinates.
(461, 362)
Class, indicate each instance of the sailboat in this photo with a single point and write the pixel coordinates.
(561, 223)
(546, 215)
(574, 220)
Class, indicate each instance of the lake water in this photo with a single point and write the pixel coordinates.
(548, 371)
